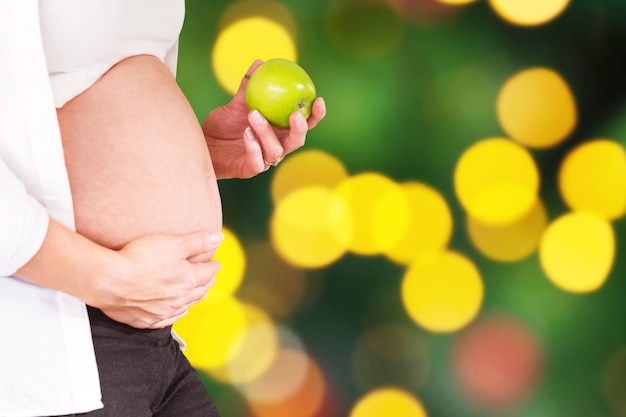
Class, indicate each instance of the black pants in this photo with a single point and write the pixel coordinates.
(143, 373)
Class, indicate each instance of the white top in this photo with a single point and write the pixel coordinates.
(47, 362)
(85, 38)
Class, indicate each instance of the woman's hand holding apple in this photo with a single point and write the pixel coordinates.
(243, 143)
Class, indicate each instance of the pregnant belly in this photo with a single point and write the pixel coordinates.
(136, 157)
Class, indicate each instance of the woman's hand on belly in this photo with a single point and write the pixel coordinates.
(160, 277)
(149, 283)
(243, 144)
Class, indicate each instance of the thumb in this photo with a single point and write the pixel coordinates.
(197, 243)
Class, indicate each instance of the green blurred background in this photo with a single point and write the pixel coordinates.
(406, 96)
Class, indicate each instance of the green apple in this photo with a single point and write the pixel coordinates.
(277, 88)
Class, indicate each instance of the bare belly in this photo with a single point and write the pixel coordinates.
(136, 157)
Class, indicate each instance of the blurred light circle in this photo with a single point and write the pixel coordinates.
(363, 30)
(380, 209)
(231, 255)
(511, 242)
(240, 43)
(593, 178)
(210, 330)
(384, 353)
(388, 401)
(255, 348)
(529, 12)
(284, 377)
(306, 401)
(614, 381)
(498, 362)
(306, 168)
(537, 108)
(496, 181)
(269, 9)
(251, 351)
(273, 285)
(442, 291)
(576, 252)
(311, 227)
(430, 224)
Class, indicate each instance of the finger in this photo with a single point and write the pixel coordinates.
(254, 154)
(197, 295)
(296, 136)
(194, 298)
(197, 243)
(167, 322)
(201, 274)
(246, 77)
(271, 147)
(318, 112)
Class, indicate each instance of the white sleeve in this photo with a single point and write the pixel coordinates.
(23, 223)
(23, 220)
(171, 58)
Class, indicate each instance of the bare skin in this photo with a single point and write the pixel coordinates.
(144, 188)
(136, 157)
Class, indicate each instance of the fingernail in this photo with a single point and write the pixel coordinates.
(323, 105)
(299, 119)
(216, 237)
(248, 134)
(256, 118)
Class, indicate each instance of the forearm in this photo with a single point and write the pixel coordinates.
(70, 263)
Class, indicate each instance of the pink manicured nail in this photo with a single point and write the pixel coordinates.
(299, 119)
(256, 118)
(216, 237)
(248, 134)
(323, 105)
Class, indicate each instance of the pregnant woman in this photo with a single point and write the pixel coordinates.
(139, 164)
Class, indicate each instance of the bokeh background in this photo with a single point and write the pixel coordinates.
(449, 240)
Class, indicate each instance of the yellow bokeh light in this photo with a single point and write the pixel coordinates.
(496, 181)
(243, 41)
(537, 108)
(211, 329)
(512, 242)
(380, 209)
(577, 251)
(593, 178)
(442, 291)
(430, 224)
(252, 351)
(307, 168)
(233, 259)
(255, 349)
(388, 401)
(311, 227)
(529, 12)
